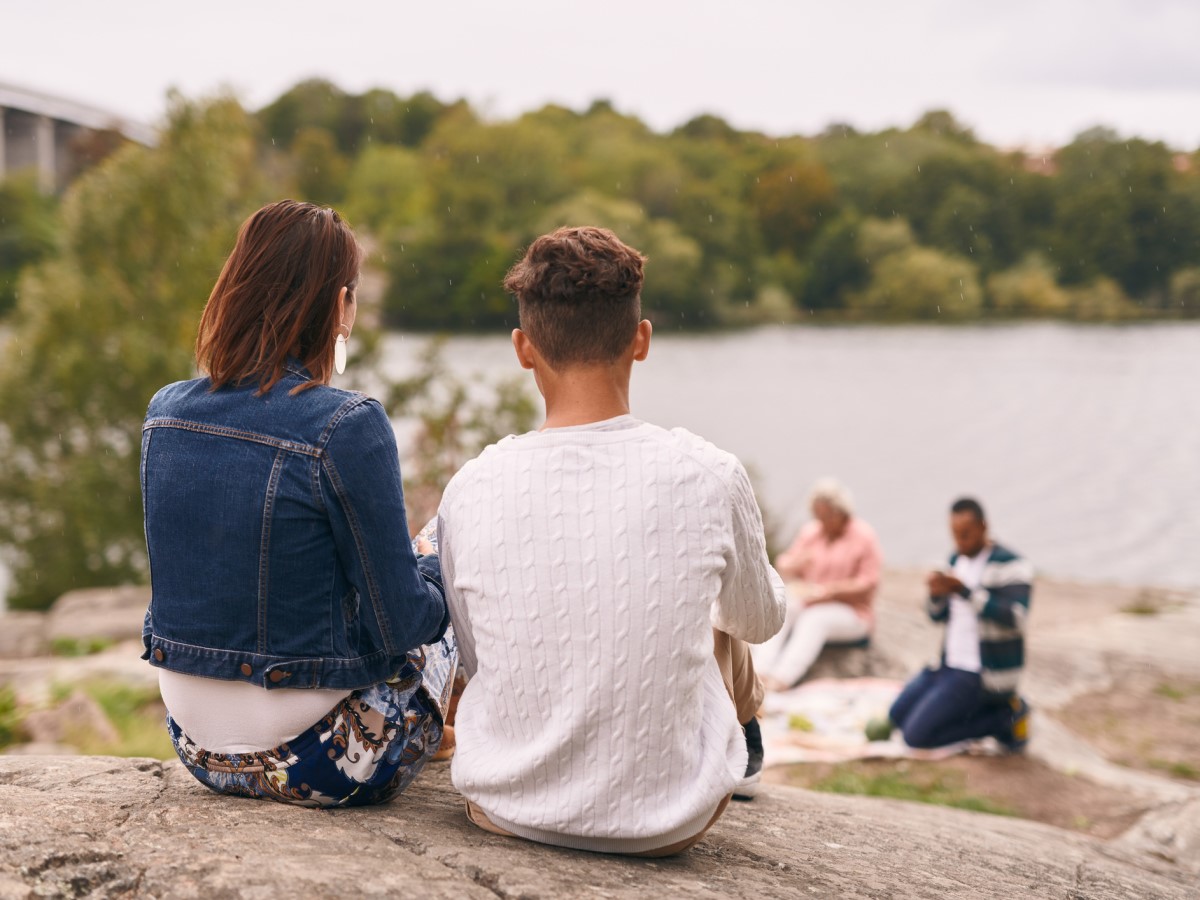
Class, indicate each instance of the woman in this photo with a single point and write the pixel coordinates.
(288, 610)
(833, 572)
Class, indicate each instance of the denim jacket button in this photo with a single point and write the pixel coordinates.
(246, 669)
(276, 676)
(158, 654)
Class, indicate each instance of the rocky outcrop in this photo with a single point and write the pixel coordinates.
(102, 827)
(23, 635)
(113, 614)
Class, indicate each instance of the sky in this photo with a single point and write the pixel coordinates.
(1021, 73)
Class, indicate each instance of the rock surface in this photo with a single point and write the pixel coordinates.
(1172, 834)
(78, 717)
(102, 827)
(113, 614)
(23, 635)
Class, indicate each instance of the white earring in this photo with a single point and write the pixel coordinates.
(339, 350)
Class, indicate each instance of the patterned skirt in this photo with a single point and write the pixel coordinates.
(366, 750)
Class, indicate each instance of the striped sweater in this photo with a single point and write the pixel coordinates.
(1002, 604)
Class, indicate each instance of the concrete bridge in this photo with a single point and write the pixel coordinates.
(37, 132)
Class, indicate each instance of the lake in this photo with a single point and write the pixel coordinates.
(1082, 442)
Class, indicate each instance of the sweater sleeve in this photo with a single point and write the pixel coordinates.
(753, 600)
(1004, 595)
(459, 615)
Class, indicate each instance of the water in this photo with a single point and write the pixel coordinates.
(1082, 442)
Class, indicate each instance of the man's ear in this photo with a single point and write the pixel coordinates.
(524, 348)
(641, 340)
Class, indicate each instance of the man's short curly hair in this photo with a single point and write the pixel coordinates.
(579, 294)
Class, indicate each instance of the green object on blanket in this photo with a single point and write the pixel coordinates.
(879, 729)
(798, 722)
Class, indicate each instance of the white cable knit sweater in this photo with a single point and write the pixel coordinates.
(585, 568)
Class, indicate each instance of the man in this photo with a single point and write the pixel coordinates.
(984, 600)
(586, 567)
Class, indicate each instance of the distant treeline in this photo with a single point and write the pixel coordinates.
(921, 223)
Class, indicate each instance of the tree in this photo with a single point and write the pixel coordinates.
(920, 283)
(99, 327)
(1185, 291)
(790, 201)
(386, 189)
(28, 230)
(835, 265)
(1028, 289)
(320, 170)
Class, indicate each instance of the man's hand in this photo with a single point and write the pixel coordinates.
(941, 584)
(424, 547)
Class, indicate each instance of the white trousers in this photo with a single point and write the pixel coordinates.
(807, 629)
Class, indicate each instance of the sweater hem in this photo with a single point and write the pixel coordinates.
(608, 845)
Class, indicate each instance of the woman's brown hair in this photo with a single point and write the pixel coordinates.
(277, 296)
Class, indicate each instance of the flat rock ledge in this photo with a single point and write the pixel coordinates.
(105, 827)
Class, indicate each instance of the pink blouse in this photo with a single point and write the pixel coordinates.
(853, 559)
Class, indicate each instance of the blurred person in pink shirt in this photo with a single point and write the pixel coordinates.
(832, 570)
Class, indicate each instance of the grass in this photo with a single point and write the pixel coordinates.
(1177, 768)
(10, 718)
(1149, 603)
(67, 646)
(1177, 692)
(938, 788)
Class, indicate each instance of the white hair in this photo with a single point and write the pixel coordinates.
(834, 493)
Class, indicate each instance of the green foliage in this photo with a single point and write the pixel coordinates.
(1177, 767)
(28, 231)
(1185, 291)
(740, 227)
(385, 189)
(99, 327)
(836, 265)
(1101, 300)
(10, 717)
(1028, 289)
(920, 283)
(453, 424)
(67, 646)
(353, 120)
(320, 170)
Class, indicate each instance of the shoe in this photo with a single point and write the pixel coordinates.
(879, 728)
(1019, 735)
(748, 786)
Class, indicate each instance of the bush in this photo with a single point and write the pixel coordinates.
(920, 283)
(1028, 289)
(1185, 291)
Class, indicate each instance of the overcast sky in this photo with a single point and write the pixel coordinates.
(1029, 72)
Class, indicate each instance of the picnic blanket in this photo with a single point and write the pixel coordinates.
(824, 721)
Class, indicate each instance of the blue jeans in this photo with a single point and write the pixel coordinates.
(943, 706)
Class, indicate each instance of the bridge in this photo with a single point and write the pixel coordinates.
(38, 131)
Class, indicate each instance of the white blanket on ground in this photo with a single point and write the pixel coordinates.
(824, 721)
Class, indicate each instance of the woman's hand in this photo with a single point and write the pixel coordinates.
(424, 548)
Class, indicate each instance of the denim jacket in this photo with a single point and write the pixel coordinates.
(279, 549)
